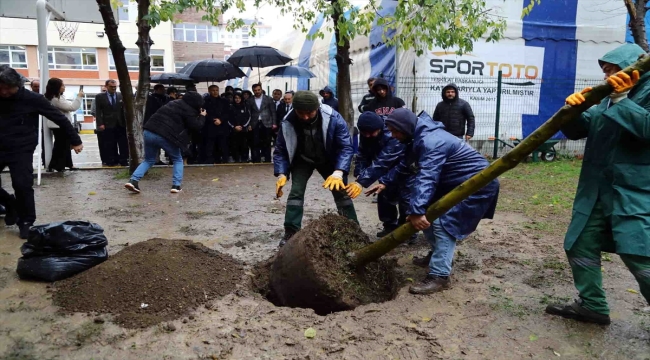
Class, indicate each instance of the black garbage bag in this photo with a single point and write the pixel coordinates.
(59, 250)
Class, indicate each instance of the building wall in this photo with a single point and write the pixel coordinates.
(23, 32)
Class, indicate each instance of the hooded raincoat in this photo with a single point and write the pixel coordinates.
(616, 165)
(434, 164)
(376, 157)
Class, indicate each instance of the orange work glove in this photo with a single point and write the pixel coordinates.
(577, 98)
(622, 82)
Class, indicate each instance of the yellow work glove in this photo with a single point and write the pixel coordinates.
(335, 181)
(622, 83)
(577, 98)
(282, 180)
(354, 190)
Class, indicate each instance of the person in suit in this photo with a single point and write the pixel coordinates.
(111, 122)
(216, 129)
(262, 109)
(284, 108)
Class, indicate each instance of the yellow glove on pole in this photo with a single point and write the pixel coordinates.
(282, 180)
(335, 181)
(354, 190)
(577, 98)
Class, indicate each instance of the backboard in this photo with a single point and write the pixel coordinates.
(81, 11)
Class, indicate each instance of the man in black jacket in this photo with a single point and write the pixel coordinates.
(216, 129)
(284, 108)
(370, 96)
(19, 110)
(111, 121)
(155, 101)
(168, 129)
(455, 113)
(384, 102)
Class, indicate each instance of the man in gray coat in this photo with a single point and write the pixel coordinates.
(111, 121)
(263, 118)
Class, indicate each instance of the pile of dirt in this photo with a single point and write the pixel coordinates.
(313, 271)
(150, 282)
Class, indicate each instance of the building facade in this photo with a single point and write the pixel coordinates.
(88, 60)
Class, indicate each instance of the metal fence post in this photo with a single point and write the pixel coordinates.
(497, 117)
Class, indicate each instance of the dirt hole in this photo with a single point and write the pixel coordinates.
(150, 282)
(313, 271)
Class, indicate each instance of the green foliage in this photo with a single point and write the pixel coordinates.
(527, 9)
(418, 24)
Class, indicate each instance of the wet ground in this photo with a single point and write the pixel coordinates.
(505, 274)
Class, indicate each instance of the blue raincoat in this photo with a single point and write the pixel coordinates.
(435, 163)
(376, 158)
(337, 142)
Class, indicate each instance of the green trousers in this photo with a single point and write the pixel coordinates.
(301, 171)
(584, 258)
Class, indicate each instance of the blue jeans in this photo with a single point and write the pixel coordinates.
(443, 245)
(152, 144)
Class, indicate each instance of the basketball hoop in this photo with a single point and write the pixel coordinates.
(67, 30)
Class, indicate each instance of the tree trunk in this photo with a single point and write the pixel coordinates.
(144, 45)
(117, 48)
(343, 62)
(637, 22)
(505, 163)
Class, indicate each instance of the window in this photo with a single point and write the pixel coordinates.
(14, 56)
(132, 57)
(128, 11)
(72, 58)
(157, 60)
(179, 65)
(196, 33)
(87, 104)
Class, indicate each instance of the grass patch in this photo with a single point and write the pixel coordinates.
(196, 215)
(87, 332)
(152, 174)
(552, 299)
(541, 191)
(506, 304)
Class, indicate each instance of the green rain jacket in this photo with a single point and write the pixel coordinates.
(616, 166)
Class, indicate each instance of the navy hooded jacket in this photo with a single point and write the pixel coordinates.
(332, 101)
(435, 163)
(376, 158)
(337, 142)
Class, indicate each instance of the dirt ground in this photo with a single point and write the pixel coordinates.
(505, 274)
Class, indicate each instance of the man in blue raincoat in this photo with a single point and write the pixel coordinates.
(611, 210)
(312, 137)
(435, 163)
(379, 152)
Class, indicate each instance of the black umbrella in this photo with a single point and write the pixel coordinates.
(211, 70)
(291, 72)
(259, 57)
(172, 79)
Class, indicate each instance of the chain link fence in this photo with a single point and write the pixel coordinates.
(519, 106)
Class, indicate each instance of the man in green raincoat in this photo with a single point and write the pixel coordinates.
(611, 211)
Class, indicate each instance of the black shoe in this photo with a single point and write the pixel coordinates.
(73, 169)
(385, 232)
(24, 230)
(133, 186)
(288, 233)
(431, 284)
(124, 164)
(10, 212)
(176, 189)
(576, 311)
(423, 261)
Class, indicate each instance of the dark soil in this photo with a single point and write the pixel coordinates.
(172, 277)
(313, 271)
